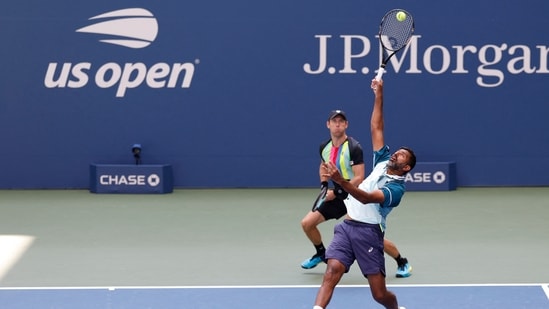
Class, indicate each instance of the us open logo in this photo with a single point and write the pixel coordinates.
(134, 28)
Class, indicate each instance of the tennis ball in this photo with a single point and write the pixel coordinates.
(401, 16)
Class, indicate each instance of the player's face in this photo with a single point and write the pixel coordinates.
(399, 161)
(337, 126)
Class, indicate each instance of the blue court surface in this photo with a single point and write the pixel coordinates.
(501, 296)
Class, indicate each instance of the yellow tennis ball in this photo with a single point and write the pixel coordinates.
(401, 16)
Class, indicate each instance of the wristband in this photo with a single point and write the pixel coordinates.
(340, 193)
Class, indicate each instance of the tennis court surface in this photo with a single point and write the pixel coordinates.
(241, 248)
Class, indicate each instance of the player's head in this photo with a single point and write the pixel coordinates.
(337, 122)
(402, 161)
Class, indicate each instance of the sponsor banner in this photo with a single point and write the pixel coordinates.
(219, 90)
(432, 176)
(112, 178)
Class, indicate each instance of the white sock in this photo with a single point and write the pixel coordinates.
(317, 307)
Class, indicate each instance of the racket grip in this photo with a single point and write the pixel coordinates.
(323, 184)
(380, 73)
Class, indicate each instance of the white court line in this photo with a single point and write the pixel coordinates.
(545, 288)
(12, 247)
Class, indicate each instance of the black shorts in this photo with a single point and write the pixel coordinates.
(333, 209)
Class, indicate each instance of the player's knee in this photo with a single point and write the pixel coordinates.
(334, 271)
(332, 277)
(308, 223)
(305, 224)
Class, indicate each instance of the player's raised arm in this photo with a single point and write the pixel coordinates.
(376, 121)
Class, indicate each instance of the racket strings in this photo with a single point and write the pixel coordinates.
(395, 34)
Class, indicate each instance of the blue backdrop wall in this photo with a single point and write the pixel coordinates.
(236, 93)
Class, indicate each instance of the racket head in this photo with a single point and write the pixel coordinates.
(393, 33)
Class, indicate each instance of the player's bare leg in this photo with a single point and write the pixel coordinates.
(309, 224)
(334, 272)
(380, 292)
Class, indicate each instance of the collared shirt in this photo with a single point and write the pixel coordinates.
(392, 186)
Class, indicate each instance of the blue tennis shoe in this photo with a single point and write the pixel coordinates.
(312, 262)
(404, 271)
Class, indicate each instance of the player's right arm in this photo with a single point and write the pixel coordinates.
(376, 120)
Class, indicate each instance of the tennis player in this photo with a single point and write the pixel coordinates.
(346, 153)
(360, 236)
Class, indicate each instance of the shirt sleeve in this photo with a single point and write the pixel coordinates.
(357, 155)
(321, 150)
(381, 155)
(393, 192)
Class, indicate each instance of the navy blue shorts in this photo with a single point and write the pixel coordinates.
(358, 241)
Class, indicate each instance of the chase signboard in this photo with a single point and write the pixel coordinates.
(121, 178)
(432, 176)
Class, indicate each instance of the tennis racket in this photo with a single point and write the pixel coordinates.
(321, 196)
(395, 31)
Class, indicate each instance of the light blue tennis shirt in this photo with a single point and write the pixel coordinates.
(392, 186)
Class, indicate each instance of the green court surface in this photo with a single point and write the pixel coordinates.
(204, 237)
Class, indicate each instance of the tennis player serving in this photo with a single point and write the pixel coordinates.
(360, 236)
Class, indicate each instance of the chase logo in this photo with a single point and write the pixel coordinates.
(152, 180)
(133, 28)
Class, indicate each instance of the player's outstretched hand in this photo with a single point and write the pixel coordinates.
(377, 86)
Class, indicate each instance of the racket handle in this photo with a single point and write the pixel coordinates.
(380, 72)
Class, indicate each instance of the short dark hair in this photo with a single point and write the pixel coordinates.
(412, 159)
